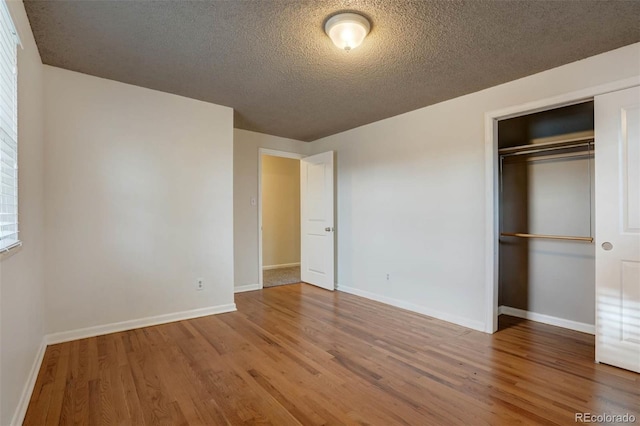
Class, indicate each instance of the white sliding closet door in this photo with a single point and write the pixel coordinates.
(617, 160)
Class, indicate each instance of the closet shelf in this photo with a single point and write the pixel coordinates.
(550, 237)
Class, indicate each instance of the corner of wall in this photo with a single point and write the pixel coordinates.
(22, 272)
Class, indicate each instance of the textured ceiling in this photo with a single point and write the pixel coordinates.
(271, 61)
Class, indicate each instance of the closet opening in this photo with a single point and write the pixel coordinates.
(546, 263)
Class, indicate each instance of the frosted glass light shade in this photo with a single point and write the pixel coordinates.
(347, 30)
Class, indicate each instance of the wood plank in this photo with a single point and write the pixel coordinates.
(297, 354)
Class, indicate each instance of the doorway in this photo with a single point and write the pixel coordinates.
(492, 222)
(546, 217)
(279, 218)
(616, 149)
(313, 254)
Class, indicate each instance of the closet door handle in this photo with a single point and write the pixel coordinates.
(607, 246)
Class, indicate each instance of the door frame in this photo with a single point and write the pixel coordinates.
(491, 119)
(272, 153)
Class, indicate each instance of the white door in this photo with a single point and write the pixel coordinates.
(617, 177)
(316, 220)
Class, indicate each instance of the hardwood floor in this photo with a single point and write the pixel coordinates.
(300, 355)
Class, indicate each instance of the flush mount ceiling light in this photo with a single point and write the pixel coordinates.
(347, 30)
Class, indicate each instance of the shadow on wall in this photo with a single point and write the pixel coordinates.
(514, 252)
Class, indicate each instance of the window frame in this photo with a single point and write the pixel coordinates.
(13, 37)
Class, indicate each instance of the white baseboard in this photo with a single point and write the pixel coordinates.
(548, 319)
(284, 265)
(247, 287)
(25, 397)
(465, 322)
(115, 327)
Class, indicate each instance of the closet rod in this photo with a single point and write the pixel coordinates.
(551, 237)
(541, 147)
(554, 148)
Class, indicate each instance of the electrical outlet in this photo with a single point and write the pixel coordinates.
(388, 277)
(199, 284)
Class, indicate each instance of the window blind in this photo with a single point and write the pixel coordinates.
(8, 131)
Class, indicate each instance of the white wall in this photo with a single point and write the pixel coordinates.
(411, 193)
(21, 276)
(139, 202)
(280, 211)
(245, 187)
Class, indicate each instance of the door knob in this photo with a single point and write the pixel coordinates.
(607, 245)
(328, 229)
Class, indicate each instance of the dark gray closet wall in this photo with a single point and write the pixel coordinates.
(547, 195)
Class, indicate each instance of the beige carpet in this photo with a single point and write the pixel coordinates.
(281, 276)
